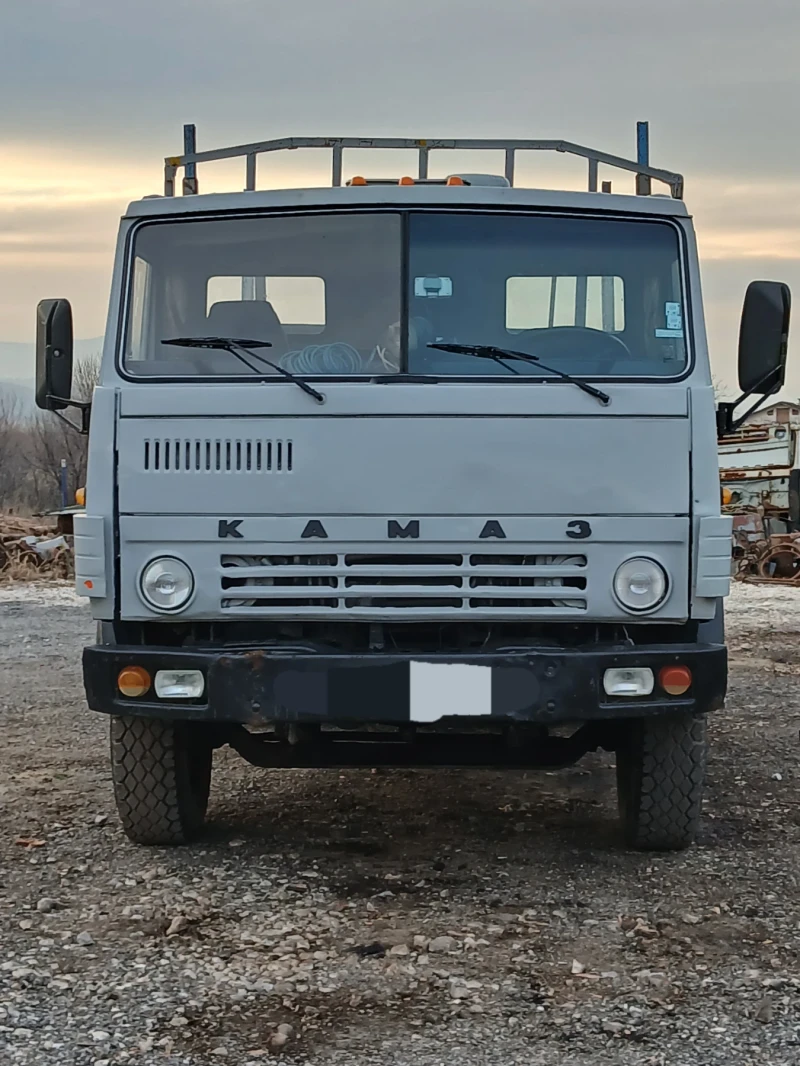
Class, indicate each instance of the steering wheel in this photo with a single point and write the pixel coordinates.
(544, 341)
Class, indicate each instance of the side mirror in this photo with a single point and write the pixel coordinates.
(53, 355)
(764, 338)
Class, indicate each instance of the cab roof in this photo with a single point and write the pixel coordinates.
(404, 197)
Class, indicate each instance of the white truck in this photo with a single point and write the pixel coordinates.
(407, 471)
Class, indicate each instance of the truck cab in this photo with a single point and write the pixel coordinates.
(407, 472)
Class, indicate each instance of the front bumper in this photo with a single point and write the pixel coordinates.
(257, 685)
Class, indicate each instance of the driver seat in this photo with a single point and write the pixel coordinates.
(253, 320)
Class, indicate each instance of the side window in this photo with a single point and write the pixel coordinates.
(543, 302)
(298, 301)
(140, 300)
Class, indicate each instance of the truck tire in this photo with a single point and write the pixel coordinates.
(661, 766)
(162, 777)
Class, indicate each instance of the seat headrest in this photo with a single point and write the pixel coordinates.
(254, 320)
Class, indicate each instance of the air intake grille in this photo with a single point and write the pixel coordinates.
(518, 586)
(219, 456)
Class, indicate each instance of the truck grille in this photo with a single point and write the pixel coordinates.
(369, 585)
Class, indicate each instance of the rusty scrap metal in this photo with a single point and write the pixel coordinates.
(779, 559)
(763, 557)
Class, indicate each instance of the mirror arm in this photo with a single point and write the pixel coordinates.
(85, 409)
(726, 423)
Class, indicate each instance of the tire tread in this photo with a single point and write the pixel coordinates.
(661, 769)
(153, 793)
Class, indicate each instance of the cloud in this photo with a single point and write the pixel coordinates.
(778, 243)
(718, 78)
(753, 220)
(57, 233)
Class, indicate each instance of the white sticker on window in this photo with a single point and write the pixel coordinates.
(674, 316)
(661, 333)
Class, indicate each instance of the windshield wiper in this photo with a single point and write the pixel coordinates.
(499, 355)
(241, 348)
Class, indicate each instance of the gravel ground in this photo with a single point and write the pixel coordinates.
(400, 917)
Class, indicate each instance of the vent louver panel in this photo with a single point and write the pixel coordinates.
(229, 455)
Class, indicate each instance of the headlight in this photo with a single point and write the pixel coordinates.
(166, 584)
(640, 585)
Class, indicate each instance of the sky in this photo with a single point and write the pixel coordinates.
(95, 94)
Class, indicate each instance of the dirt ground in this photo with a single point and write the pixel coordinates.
(400, 917)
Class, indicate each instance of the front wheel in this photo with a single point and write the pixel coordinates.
(661, 766)
(162, 777)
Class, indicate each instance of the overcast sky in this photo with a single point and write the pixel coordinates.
(95, 93)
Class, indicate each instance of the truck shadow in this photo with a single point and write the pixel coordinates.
(418, 816)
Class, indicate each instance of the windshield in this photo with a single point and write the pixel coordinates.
(593, 297)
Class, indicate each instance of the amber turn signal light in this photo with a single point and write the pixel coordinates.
(133, 681)
(675, 680)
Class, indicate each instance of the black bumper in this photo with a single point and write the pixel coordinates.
(546, 686)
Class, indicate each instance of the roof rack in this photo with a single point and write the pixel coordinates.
(645, 174)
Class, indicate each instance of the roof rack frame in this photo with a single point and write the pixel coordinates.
(645, 174)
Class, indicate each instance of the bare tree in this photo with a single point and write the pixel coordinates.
(32, 450)
(54, 441)
(85, 378)
(10, 448)
(721, 390)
